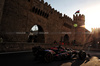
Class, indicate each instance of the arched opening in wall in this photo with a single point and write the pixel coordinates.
(36, 10)
(33, 10)
(66, 38)
(40, 13)
(36, 34)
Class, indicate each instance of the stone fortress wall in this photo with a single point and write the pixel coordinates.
(17, 17)
(20, 15)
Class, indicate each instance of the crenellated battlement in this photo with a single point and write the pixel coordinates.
(54, 11)
(66, 17)
(78, 17)
(44, 3)
(45, 7)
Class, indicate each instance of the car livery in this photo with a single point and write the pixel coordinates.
(56, 53)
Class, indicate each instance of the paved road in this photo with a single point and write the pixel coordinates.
(27, 59)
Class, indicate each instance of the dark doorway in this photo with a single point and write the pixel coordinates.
(36, 34)
(66, 38)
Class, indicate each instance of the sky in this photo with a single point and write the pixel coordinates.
(90, 8)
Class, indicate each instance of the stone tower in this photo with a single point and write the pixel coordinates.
(79, 20)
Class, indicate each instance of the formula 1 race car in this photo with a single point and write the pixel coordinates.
(56, 53)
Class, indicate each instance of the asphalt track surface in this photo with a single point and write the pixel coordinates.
(26, 58)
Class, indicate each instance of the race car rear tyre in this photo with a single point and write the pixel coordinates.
(82, 55)
(48, 57)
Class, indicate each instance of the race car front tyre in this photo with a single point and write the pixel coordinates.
(48, 57)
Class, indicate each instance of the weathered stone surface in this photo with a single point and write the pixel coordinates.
(19, 16)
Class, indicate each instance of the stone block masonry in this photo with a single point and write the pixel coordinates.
(17, 17)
